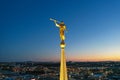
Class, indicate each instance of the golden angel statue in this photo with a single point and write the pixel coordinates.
(62, 28)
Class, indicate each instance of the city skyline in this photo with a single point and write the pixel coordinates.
(27, 34)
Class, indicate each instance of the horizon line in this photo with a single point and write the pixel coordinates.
(66, 61)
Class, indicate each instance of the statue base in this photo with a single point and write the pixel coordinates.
(62, 44)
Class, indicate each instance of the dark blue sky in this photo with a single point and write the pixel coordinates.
(26, 33)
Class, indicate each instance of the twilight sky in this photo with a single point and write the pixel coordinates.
(27, 34)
